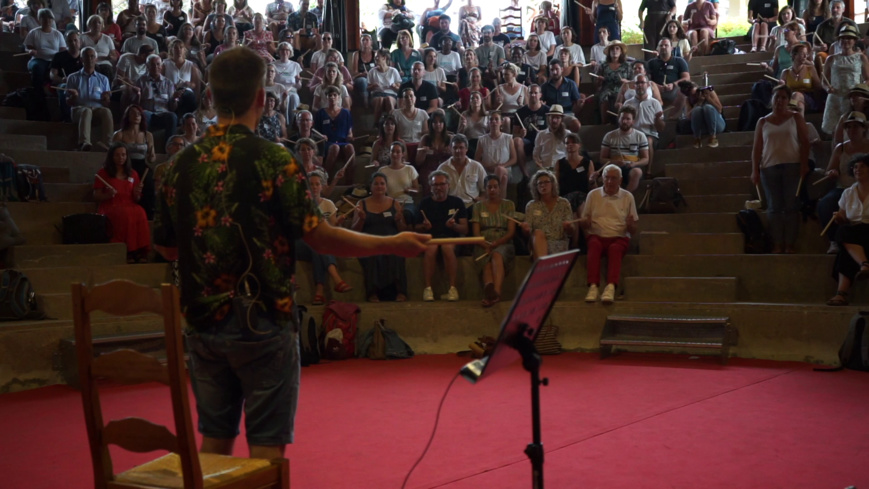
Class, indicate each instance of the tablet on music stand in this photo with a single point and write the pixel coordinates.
(530, 308)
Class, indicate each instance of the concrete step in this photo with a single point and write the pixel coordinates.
(53, 280)
(82, 166)
(52, 175)
(727, 140)
(10, 62)
(720, 79)
(709, 155)
(714, 203)
(688, 223)
(69, 192)
(783, 279)
(47, 256)
(681, 289)
(39, 221)
(13, 80)
(10, 143)
(652, 243)
(13, 113)
(714, 186)
(721, 169)
(733, 67)
(743, 88)
(700, 63)
(10, 41)
(804, 333)
(59, 135)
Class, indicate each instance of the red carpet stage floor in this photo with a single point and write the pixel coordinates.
(633, 421)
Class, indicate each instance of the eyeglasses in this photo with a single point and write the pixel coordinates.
(541, 183)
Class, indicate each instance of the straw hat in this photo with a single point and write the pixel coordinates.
(861, 89)
(848, 30)
(856, 117)
(609, 45)
(556, 110)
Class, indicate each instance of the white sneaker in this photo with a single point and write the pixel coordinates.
(452, 295)
(427, 294)
(609, 294)
(592, 293)
(833, 249)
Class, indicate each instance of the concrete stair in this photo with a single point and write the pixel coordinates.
(662, 243)
(58, 135)
(39, 222)
(714, 186)
(681, 289)
(58, 255)
(13, 113)
(722, 222)
(9, 143)
(702, 170)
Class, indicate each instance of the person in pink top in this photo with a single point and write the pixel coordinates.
(700, 21)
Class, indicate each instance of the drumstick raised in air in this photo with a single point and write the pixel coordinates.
(772, 79)
(650, 51)
(145, 174)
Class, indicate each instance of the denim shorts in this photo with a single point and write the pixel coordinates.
(232, 368)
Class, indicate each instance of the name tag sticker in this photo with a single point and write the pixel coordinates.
(484, 214)
(564, 94)
(580, 169)
(538, 213)
(387, 214)
(423, 99)
(327, 121)
(634, 148)
(766, 5)
(521, 73)
(130, 179)
(451, 212)
(670, 67)
(807, 81)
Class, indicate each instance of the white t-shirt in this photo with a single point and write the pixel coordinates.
(318, 59)
(397, 181)
(384, 79)
(469, 184)
(286, 73)
(576, 54)
(495, 151)
(547, 40)
(608, 212)
(436, 77)
(450, 62)
(47, 44)
(410, 130)
(128, 67)
(597, 54)
(646, 110)
(103, 47)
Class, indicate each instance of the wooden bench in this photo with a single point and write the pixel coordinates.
(676, 333)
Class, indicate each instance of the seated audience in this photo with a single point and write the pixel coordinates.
(260, 39)
(140, 149)
(117, 189)
(381, 150)
(842, 72)
(547, 217)
(189, 128)
(404, 56)
(443, 216)
(102, 44)
(383, 83)
(336, 125)
(495, 151)
(803, 79)
(704, 112)
(158, 96)
(402, 179)
(701, 18)
(42, 44)
(666, 71)
(381, 215)
(434, 148)
(839, 169)
(88, 94)
(626, 148)
(474, 122)
(466, 174)
(609, 218)
(491, 218)
(139, 37)
(332, 77)
(678, 40)
(321, 264)
(549, 143)
(853, 234)
(612, 74)
(411, 122)
(184, 75)
(361, 63)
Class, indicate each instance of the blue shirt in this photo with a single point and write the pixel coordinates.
(565, 95)
(90, 87)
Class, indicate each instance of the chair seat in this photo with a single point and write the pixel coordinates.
(165, 472)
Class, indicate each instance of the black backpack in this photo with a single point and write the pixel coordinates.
(750, 112)
(756, 239)
(662, 196)
(17, 298)
(723, 46)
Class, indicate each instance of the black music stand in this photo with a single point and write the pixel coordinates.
(516, 340)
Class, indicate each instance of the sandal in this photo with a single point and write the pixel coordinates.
(489, 292)
(864, 271)
(319, 300)
(342, 287)
(400, 298)
(840, 299)
(373, 298)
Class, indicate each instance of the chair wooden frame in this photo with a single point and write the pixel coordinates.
(124, 298)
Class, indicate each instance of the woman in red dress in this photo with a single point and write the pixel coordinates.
(117, 188)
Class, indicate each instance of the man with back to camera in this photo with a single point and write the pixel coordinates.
(230, 209)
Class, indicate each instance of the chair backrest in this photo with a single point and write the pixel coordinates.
(125, 298)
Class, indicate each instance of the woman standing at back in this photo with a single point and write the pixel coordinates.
(779, 160)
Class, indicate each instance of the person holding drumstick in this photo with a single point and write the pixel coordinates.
(443, 216)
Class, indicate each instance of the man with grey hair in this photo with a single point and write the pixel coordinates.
(609, 218)
(828, 31)
(466, 174)
(158, 97)
(443, 216)
(89, 94)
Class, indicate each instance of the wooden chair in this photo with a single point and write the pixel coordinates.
(183, 467)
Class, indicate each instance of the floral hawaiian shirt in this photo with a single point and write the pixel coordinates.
(234, 204)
